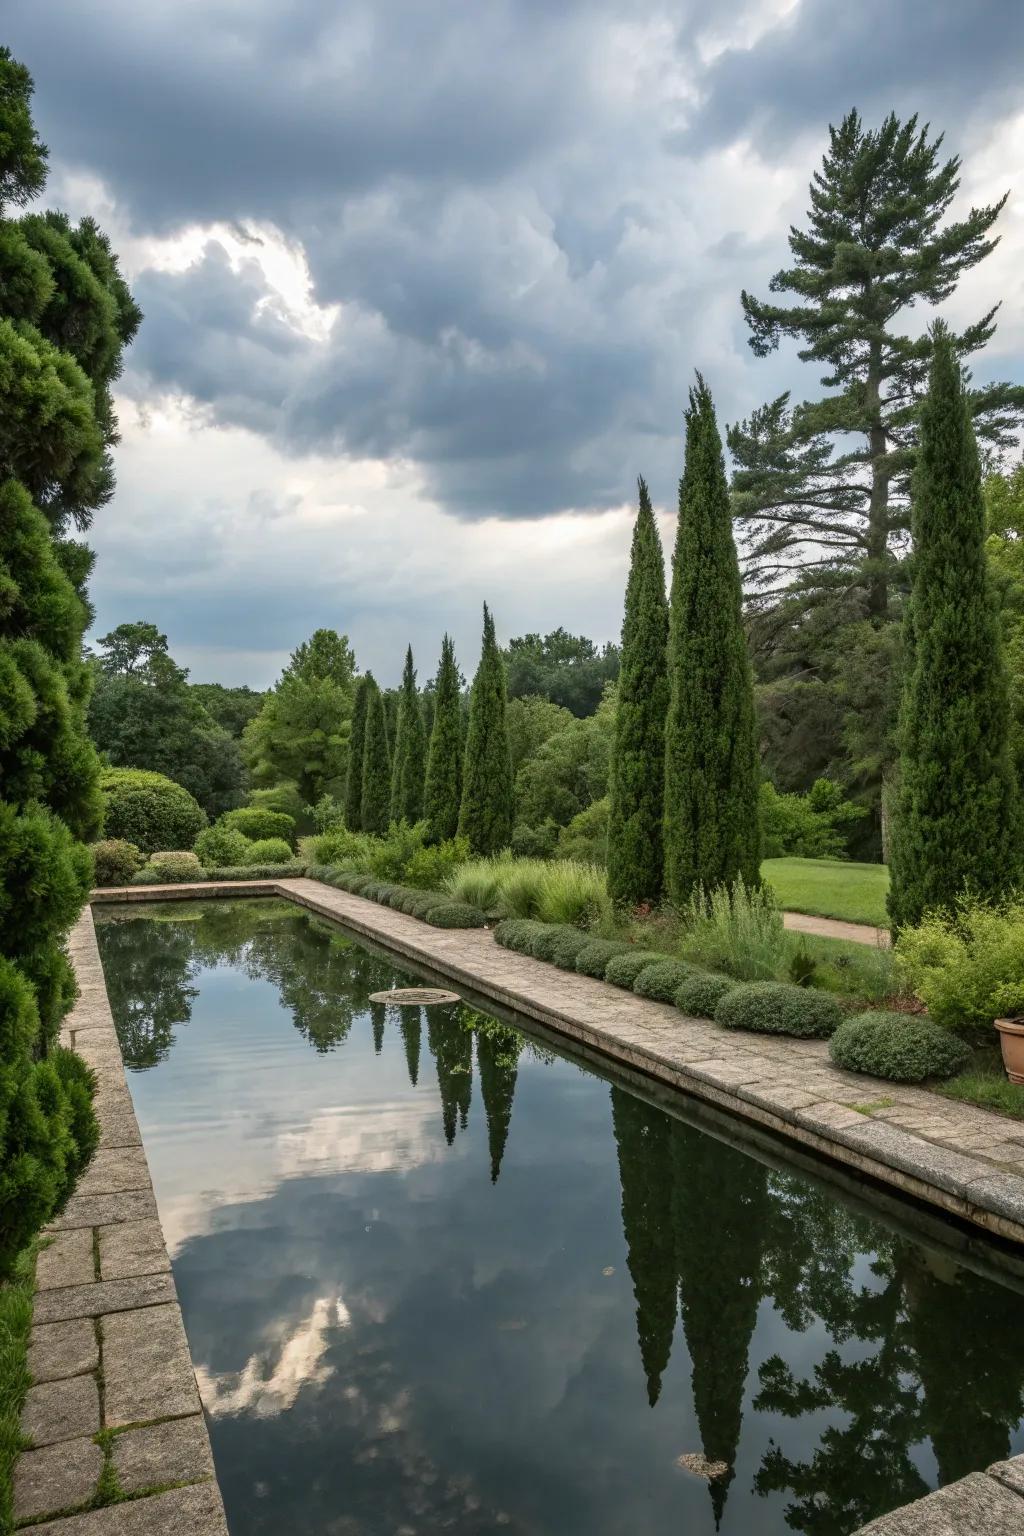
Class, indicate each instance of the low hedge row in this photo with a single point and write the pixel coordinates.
(434, 907)
(185, 874)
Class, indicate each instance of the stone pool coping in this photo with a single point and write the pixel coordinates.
(963, 1160)
(113, 1387)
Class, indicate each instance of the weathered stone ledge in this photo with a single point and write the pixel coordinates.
(113, 1387)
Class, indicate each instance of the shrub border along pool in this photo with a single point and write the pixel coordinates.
(645, 1038)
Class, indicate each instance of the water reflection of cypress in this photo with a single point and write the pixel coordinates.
(377, 1017)
(410, 1023)
(497, 1060)
(721, 1211)
(645, 1173)
(452, 1049)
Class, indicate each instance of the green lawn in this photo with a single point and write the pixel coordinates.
(15, 1322)
(830, 888)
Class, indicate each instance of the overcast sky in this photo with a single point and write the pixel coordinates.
(425, 284)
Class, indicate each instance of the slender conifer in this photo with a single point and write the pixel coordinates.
(443, 792)
(486, 813)
(712, 775)
(376, 796)
(409, 763)
(635, 827)
(356, 744)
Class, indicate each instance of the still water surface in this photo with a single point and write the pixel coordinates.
(438, 1278)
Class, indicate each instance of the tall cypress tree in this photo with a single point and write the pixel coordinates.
(410, 755)
(712, 777)
(956, 812)
(443, 791)
(485, 816)
(356, 746)
(376, 796)
(635, 833)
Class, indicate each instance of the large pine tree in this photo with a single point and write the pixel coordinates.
(410, 755)
(375, 808)
(356, 748)
(443, 792)
(485, 817)
(823, 489)
(712, 776)
(956, 817)
(635, 831)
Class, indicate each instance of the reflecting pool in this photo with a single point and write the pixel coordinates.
(438, 1277)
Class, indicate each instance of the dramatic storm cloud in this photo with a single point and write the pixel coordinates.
(425, 286)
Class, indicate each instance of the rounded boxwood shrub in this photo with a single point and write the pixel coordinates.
(115, 861)
(595, 955)
(546, 937)
(257, 822)
(174, 866)
(622, 970)
(149, 810)
(903, 1047)
(422, 904)
(661, 980)
(221, 845)
(778, 1008)
(568, 943)
(701, 993)
(517, 933)
(359, 884)
(456, 914)
(267, 850)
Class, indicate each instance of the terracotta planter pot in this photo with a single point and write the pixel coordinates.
(1011, 1038)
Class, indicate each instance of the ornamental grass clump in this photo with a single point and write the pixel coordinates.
(661, 980)
(902, 1047)
(570, 892)
(593, 958)
(700, 994)
(623, 970)
(777, 1008)
(737, 930)
(479, 883)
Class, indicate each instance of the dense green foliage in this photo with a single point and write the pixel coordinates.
(956, 824)
(173, 865)
(712, 774)
(301, 734)
(375, 796)
(902, 1047)
(149, 810)
(701, 992)
(409, 764)
(661, 980)
(143, 714)
(566, 776)
(269, 850)
(65, 317)
(637, 777)
(966, 966)
(442, 795)
(221, 845)
(593, 958)
(230, 708)
(564, 669)
(485, 814)
(114, 861)
(556, 892)
(776, 1008)
(623, 970)
(16, 1298)
(256, 821)
(353, 803)
(814, 825)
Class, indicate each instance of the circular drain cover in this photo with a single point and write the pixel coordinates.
(414, 997)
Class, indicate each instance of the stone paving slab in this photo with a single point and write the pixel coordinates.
(108, 1348)
(978, 1505)
(60, 1476)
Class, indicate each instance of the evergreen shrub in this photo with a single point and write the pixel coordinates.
(149, 810)
(517, 933)
(700, 994)
(548, 935)
(289, 871)
(661, 980)
(174, 866)
(623, 970)
(565, 947)
(268, 850)
(593, 958)
(777, 1008)
(114, 861)
(257, 822)
(901, 1047)
(455, 914)
(221, 845)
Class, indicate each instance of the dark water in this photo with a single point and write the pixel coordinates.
(437, 1278)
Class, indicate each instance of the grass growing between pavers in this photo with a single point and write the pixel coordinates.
(853, 893)
(15, 1326)
(985, 1083)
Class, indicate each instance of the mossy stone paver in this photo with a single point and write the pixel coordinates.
(57, 1350)
(147, 1369)
(175, 1452)
(59, 1476)
(61, 1410)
